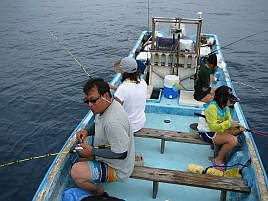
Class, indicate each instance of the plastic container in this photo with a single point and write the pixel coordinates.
(169, 82)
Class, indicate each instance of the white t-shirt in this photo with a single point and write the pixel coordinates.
(133, 97)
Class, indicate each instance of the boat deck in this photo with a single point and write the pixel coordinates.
(176, 156)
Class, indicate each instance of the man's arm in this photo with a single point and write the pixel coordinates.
(107, 153)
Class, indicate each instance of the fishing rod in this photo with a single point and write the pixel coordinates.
(236, 41)
(38, 157)
(246, 129)
(76, 150)
(70, 53)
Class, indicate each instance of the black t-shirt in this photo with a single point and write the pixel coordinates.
(201, 79)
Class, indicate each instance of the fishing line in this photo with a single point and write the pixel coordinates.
(70, 53)
(121, 34)
(236, 41)
(264, 96)
(252, 88)
(38, 157)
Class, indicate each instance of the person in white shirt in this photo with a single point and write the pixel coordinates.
(132, 92)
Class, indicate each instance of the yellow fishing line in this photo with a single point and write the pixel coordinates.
(37, 157)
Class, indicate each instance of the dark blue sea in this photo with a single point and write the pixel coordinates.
(41, 83)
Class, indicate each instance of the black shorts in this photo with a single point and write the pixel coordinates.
(208, 137)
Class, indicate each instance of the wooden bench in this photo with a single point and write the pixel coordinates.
(157, 175)
(166, 135)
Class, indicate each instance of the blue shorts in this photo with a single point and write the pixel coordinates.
(208, 137)
(100, 171)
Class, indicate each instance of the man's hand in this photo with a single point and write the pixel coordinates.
(81, 135)
(213, 79)
(86, 151)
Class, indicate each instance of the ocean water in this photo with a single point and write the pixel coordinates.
(41, 84)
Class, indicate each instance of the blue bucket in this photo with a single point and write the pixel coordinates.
(169, 82)
(170, 93)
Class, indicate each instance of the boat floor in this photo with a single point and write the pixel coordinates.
(176, 156)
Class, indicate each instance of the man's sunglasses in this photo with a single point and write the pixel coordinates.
(91, 101)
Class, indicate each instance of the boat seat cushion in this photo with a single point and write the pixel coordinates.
(187, 99)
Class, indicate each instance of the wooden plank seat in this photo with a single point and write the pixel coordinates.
(190, 179)
(166, 135)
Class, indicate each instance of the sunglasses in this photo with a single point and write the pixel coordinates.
(91, 101)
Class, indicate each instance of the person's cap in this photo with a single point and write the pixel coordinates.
(126, 65)
(212, 58)
(220, 62)
(224, 91)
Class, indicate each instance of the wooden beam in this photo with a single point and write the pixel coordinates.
(189, 179)
(167, 135)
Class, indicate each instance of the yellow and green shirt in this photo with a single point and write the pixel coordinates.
(217, 119)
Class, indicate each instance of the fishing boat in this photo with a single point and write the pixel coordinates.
(169, 141)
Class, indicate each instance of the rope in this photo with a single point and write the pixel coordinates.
(70, 53)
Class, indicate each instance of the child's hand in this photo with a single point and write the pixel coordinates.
(241, 128)
(235, 124)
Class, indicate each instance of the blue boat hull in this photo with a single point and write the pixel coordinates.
(166, 114)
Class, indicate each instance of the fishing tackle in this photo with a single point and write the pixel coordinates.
(70, 53)
(236, 42)
(37, 157)
(204, 58)
(76, 150)
(248, 130)
(258, 133)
